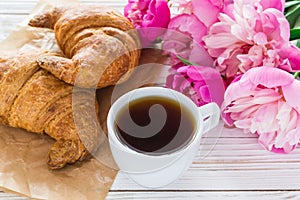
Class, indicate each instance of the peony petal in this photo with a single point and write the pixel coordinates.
(214, 82)
(221, 40)
(190, 24)
(264, 119)
(240, 33)
(293, 136)
(204, 93)
(279, 30)
(259, 92)
(286, 149)
(286, 117)
(127, 9)
(243, 123)
(248, 11)
(199, 84)
(193, 73)
(226, 117)
(200, 56)
(281, 139)
(184, 85)
(266, 99)
(219, 27)
(160, 12)
(292, 53)
(249, 112)
(238, 89)
(205, 11)
(228, 9)
(291, 94)
(294, 120)
(267, 140)
(260, 38)
(184, 38)
(226, 19)
(178, 80)
(268, 76)
(277, 4)
(183, 69)
(240, 107)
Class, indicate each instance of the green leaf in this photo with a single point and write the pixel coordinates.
(158, 40)
(289, 4)
(293, 14)
(297, 23)
(187, 62)
(295, 34)
(298, 44)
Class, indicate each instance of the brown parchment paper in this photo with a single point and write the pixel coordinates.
(23, 168)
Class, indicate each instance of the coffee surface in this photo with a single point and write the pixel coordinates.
(155, 125)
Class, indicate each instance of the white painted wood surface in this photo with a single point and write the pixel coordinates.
(229, 165)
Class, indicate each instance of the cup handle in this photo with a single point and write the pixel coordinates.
(211, 116)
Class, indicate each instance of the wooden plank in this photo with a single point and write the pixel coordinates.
(9, 23)
(233, 164)
(25, 7)
(7, 196)
(231, 160)
(13, 13)
(280, 195)
(193, 195)
(224, 180)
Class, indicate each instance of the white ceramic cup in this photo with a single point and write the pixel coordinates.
(159, 170)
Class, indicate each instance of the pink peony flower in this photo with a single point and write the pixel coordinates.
(206, 10)
(257, 36)
(201, 84)
(150, 17)
(185, 31)
(277, 4)
(184, 38)
(265, 101)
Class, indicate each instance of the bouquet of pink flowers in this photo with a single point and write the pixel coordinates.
(242, 54)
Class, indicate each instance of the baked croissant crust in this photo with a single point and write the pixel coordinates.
(100, 45)
(33, 99)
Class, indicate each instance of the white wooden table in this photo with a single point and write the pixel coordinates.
(228, 166)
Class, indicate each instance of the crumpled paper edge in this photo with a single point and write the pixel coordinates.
(25, 38)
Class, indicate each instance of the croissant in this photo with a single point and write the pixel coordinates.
(99, 44)
(33, 99)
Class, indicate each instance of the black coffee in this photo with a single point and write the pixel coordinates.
(155, 125)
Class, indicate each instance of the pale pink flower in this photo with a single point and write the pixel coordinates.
(199, 83)
(277, 4)
(185, 31)
(257, 36)
(184, 6)
(206, 10)
(265, 101)
(184, 38)
(149, 17)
